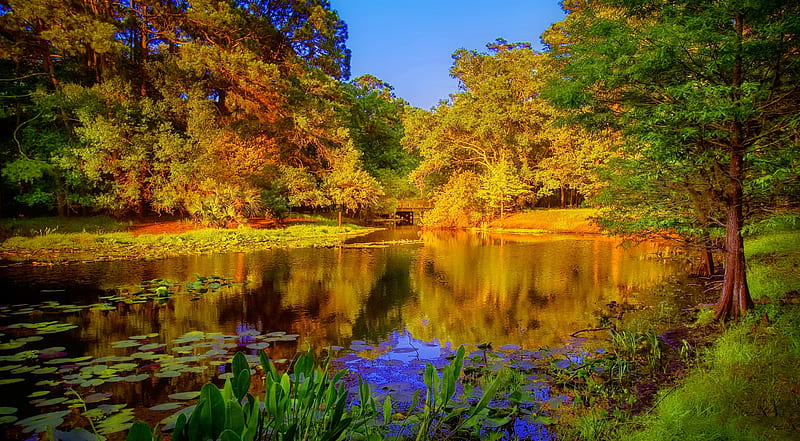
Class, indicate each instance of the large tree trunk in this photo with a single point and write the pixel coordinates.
(735, 298)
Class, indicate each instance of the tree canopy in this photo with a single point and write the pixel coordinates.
(706, 96)
(166, 106)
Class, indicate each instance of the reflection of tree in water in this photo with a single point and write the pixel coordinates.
(382, 311)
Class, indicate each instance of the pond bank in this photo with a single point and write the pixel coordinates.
(731, 381)
(51, 247)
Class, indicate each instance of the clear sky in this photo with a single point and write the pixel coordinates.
(409, 43)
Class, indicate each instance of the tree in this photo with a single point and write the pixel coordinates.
(488, 129)
(349, 187)
(696, 87)
(147, 105)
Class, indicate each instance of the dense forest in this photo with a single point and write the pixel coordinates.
(221, 110)
(676, 118)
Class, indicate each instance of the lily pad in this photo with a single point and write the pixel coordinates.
(51, 402)
(10, 380)
(167, 374)
(116, 423)
(45, 370)
(167, 406)
(125, 344)
(13, 344)
(185, 395)
(152, 347)
(40, 423)
(134, 378)
(5, 419)
(257, 346)
(38, 393)
(8, 410)
(97, 397)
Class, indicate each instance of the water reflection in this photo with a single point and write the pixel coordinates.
(458, 287)
(447, 290)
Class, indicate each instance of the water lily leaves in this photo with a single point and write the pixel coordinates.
(257, 346)
(51, 402)
(167, 406)
(56, 328)
(185, 395)
(125, 344)
(135, 378)
(92, 382)
(38, 393)
(152, 347)
(40, 423)
(31, 338)
(96, 397)
(45, 370)
(4, 381)
(13, 344)
(9, 367)
(116, 423)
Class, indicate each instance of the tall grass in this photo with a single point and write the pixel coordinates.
(748, 389)
(42, 226)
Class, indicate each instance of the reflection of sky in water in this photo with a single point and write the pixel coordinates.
(394, 368)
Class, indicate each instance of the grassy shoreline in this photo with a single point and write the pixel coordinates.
(48, 245)
(740, 379)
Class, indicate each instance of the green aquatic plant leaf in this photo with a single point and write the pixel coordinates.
(13, 344)
(125, 344)
(116, 423)
(8, 410)
(51, 402)
(167, 406)
(152, 347)
(11, 380)
(40, 423)
(185, 395)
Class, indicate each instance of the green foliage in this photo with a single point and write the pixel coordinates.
(221, 204)
(745, 392)
(137, 114)
(456, 205)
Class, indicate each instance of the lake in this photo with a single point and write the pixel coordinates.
(100, 330)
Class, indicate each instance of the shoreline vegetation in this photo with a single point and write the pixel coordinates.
(64, 240)
(101, 238)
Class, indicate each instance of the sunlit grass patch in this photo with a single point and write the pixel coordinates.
(746, 391)
(125, 245)
(576, 220)
(773, 265)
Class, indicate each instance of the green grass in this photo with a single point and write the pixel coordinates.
(773, 264)
(573, 220)
(125, 245)
(744, 384)
(41, 226)
(747, 389)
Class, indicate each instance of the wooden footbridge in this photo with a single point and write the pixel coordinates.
(408, 210)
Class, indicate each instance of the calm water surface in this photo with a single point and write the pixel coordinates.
(435, 292)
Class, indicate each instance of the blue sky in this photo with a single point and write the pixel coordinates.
(409, 43)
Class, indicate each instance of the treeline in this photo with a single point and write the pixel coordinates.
(497, 145)
(213, 109)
